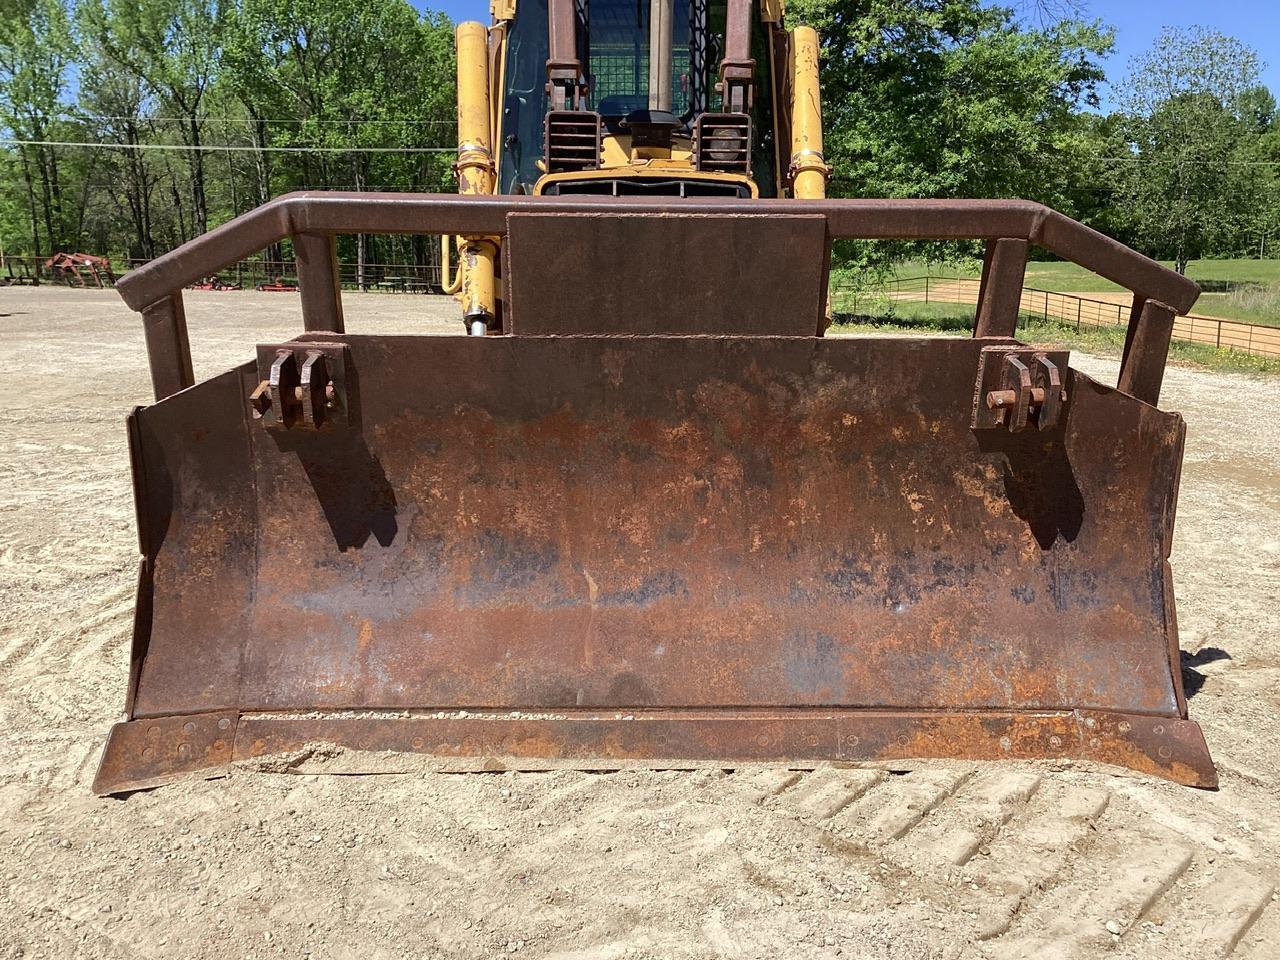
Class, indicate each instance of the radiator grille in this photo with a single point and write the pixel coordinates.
(722, 142)
(572, 140)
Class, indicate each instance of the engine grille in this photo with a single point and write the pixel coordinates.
(572, 140)
(646, 187)
(722, 142)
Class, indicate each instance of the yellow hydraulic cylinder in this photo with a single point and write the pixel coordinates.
(809, 170)
(475, 173)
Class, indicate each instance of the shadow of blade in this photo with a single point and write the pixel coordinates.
(1192, 679)
(1039, 481)
(349, 483)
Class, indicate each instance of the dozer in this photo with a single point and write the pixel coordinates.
(640, 508)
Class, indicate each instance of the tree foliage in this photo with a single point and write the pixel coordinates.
(198, 76)
(36, 53)
(951, 98)
(954, 98)
(1192, 113)
(922, 98)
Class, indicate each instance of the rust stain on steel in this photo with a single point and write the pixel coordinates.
(775, 266)
(762, 546)
(149, 753)
(666, 524)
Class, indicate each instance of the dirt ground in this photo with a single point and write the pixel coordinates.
(947, 860)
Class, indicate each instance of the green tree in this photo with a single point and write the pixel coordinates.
(115, 99)
(951, 98)
(146, 86)
(1190, 118)
(1263, 155)
(36, 52)
(352, 74)
(954, 98)
(172, 47)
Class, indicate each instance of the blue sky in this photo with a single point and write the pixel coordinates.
(1256, 22)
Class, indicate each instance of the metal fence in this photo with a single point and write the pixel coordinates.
(385, 277)
(1065, 308)
(245, 275)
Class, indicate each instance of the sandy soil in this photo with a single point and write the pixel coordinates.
(947, 860)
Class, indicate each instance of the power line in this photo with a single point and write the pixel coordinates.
(215, 148)
(249, 121)
(1229, 163)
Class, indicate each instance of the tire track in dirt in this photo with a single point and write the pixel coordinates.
(1042, 869)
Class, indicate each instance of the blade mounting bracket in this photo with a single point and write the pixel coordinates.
(302, 386)
(1019, 387)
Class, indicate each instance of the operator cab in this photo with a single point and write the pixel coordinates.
(636, 97)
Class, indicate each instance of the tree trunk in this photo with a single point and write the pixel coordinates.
(231, 175)
(55, 191)
(200, 206)
(142, 193)
(360, 257)
(262, 167)
(31, 202)
(46, 191)
(177, 202)
(135, 198)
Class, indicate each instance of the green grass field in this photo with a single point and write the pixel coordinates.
(1257, 304)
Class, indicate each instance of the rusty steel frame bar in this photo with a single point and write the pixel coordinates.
(409, 213)
(164, 324)
(155, 288)
(318, 285)
(1145, 350)
(1000, 293)
(737, 68)
(564, 69)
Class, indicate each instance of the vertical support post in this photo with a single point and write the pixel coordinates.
(318, 285)
(1146, 350)
(164, 324)
(737, 69)
(987, 256)
(1004, 269)
(660, 32)
(1135, 312)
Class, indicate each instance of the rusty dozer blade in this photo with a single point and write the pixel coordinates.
(661, 547)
